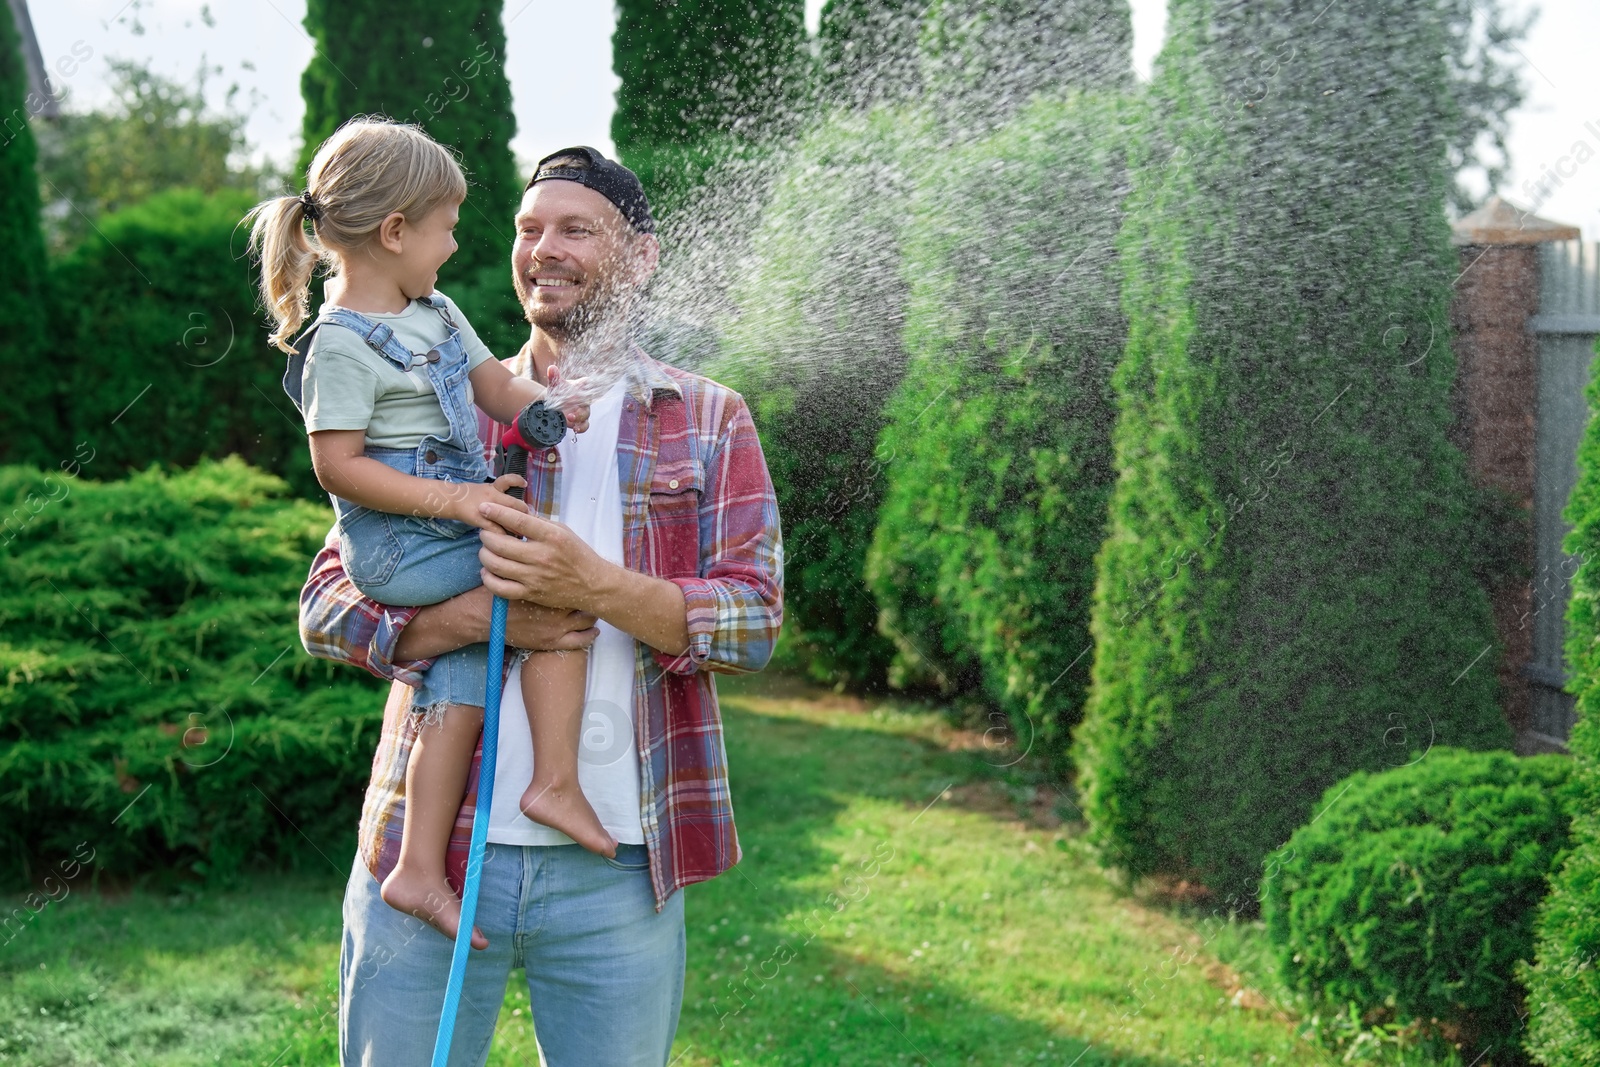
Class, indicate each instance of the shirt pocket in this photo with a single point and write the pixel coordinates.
(676, 490)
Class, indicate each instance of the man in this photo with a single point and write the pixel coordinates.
(677, 574)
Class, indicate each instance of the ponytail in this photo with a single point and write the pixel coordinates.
(278, 236)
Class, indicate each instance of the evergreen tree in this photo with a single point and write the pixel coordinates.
(1286, 592)
(443, 68)
(869, 50)
(814, 344)
(703, 80)
(983, 59)
(997, 444)
(1563, 982)
(691, 69)
(29, 392)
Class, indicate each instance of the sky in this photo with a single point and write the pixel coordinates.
(559, 62)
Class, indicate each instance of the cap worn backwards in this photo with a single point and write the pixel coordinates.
(588, 167)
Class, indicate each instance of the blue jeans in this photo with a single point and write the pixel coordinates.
(408, 562)
(604, 969)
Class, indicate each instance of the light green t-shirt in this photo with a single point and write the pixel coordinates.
(347, 385)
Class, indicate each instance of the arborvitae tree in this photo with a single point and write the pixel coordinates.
(691, 69)
(702, 79)
(869, 50)
(30, 382)
(443, 68)
(814, 344)
(983, 59)
(998, 443)
(1285, 595)
(1564, 982)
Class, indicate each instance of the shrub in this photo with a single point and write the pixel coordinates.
(160, 354)
(156, 701)
(1286, 581)
(1413, 893)
(1563, 980)
(997, 449)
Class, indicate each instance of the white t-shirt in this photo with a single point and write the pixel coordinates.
(608, 759)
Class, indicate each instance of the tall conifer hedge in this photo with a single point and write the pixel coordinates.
(702, 79)
(441, 66)
(1285, 594)
(983, 59)
(868, 50)
(1564, 981)
(25, 408)
(814, 344)
(997, 446)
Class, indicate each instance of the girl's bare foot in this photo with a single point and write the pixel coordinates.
(429, 899)
(567, 809)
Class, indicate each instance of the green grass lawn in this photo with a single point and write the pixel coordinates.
(901, 901)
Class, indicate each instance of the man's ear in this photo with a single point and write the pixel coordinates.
(391, 231)
(646, 257)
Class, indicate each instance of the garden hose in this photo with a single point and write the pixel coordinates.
(516, 462)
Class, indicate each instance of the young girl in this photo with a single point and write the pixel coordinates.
(387, 392)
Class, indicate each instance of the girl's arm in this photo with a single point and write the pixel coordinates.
(503, 395)
(342, 469)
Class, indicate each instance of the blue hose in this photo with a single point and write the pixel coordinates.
(480, 833)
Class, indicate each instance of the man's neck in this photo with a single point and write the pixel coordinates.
(545, 351)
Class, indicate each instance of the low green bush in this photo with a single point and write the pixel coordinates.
(1412, 893)
(157, 707)
(159, 354)
(1563, 978)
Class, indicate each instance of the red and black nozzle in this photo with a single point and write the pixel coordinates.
(536, 426)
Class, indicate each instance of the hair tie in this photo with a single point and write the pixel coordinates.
(312, 209)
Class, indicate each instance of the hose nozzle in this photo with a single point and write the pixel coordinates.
(536, 426)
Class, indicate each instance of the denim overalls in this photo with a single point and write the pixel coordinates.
(410, 560)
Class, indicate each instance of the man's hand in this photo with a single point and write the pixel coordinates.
(464, 620)
(541, 629)
(552, 566)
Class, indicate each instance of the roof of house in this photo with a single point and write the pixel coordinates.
(1500, 222)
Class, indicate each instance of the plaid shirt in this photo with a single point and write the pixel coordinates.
(698, 509)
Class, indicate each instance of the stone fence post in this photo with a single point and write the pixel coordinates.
(1496, 401)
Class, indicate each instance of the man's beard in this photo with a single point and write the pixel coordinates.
(593, 333)
(605, 305)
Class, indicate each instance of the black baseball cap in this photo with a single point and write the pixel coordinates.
(588, 166)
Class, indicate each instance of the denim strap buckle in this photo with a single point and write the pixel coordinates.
(379, 342)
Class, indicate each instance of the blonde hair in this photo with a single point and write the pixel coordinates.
(369, 169)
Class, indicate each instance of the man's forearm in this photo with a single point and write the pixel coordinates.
(464, 620)
(444, 627)
(649, 609)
